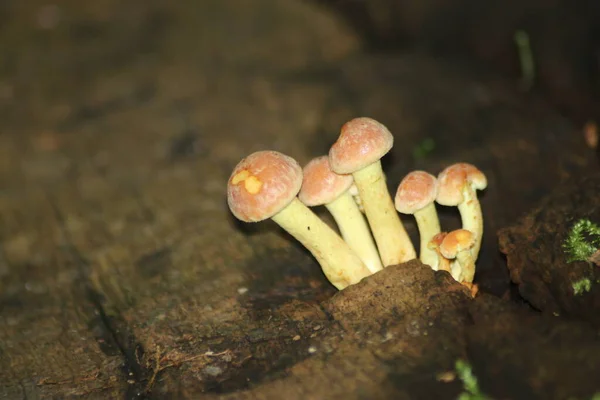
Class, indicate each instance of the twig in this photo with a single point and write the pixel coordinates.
(155, 370)
(159, 368)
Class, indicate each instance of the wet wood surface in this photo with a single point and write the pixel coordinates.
(122, 272)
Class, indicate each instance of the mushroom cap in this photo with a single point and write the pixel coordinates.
(417, 190)
(452, 180)
(436, 241)
(362, 142)
(457, 241)
(320, 184)
(263, 184)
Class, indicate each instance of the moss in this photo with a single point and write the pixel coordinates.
(582, 286)
(582, 241)
(471, 387)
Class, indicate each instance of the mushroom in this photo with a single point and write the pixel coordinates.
(358, 150)
(264, 185)
(322, 186)
(457, 185)
(416, 195)
(457, 245)
(356, 196)
(434, 244)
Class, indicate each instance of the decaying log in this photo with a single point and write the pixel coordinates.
(538, 261)
(398, 334)
(122, 272)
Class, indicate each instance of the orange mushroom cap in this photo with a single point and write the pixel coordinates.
(456, 241)
(436, 241)
(452, 180)
(362, 142)
(417, 190)
(320, 185)
(263, 184)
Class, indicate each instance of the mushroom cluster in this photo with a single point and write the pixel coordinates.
(350, 183)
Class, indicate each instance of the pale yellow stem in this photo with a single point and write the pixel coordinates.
(355, 230)
(443, 264)
(472, 218)
(429, 226)
(467, 266)
(354, 192)
(392, 240)
(455, 269)
(339, 263)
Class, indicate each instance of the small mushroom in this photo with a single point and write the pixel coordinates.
(322, 186)
(434, 245)
(416, 195)
(358, 150)
(457, 186)
(264, 185)
(457, 245)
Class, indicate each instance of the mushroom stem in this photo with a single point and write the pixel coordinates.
(356, 197)
(341, 265)
(354, 230)
(472, 217)
(442, 263)
(392, 240)
(457, 246)
(458, 185)
(429, 226)
(467, 266)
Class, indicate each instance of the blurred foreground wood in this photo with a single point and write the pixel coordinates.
(122, 273)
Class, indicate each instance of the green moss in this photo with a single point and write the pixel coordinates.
(471, 387)
(582, 286)
(583, 240)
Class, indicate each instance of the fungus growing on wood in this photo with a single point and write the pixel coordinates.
(264, 185)
(457, 245)
(443, 264)
(457, 186)
(322, 186)
(358, 150)
(416, 195)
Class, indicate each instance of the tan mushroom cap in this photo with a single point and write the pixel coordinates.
(437, 240)
(417, 190)
(262, 184)
(362, 142)
(320, 184)
(456, 241)
(452, 180)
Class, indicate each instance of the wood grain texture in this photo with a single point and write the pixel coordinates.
(123, 274)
